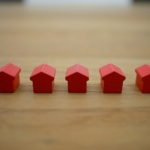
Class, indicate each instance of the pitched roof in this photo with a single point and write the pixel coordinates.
(44, 69)
(143, 71)
(77, 69)
(111, 69)
(10, 70)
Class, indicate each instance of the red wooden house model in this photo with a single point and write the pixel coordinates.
(143, 78)
(111, 79)
(77, 76)
(43, 78)
(9, 78)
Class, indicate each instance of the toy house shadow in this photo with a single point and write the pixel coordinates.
(60, 87)
(131, 89)
(24, 88)
(94, 87)
(136, 90)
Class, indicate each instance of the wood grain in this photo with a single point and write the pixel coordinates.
(62, 37)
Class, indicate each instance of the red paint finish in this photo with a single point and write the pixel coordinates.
(9, 78)
(77, 77)
(143, 78)
(111, 79)
(43, 77)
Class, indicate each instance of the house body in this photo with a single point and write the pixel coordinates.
(43, 78)
(77, 77)
(111, 78)
(9, 78)
(143, 78)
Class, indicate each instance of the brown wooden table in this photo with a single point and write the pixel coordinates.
(30, 36)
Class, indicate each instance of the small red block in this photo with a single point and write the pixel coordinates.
(77, 77)
(111, 78)
(9, 78)
(43, 77)
(143, 78)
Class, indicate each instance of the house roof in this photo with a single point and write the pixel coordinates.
(77, 70)
(45, 70)
(143, 71)
(111, 70)
(10, 71)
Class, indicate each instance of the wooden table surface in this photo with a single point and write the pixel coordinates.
(62, 121)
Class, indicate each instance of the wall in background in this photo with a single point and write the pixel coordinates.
(83, 2)
(11, 0)
(80, 2)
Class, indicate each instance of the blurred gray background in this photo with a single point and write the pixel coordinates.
(78, 2)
